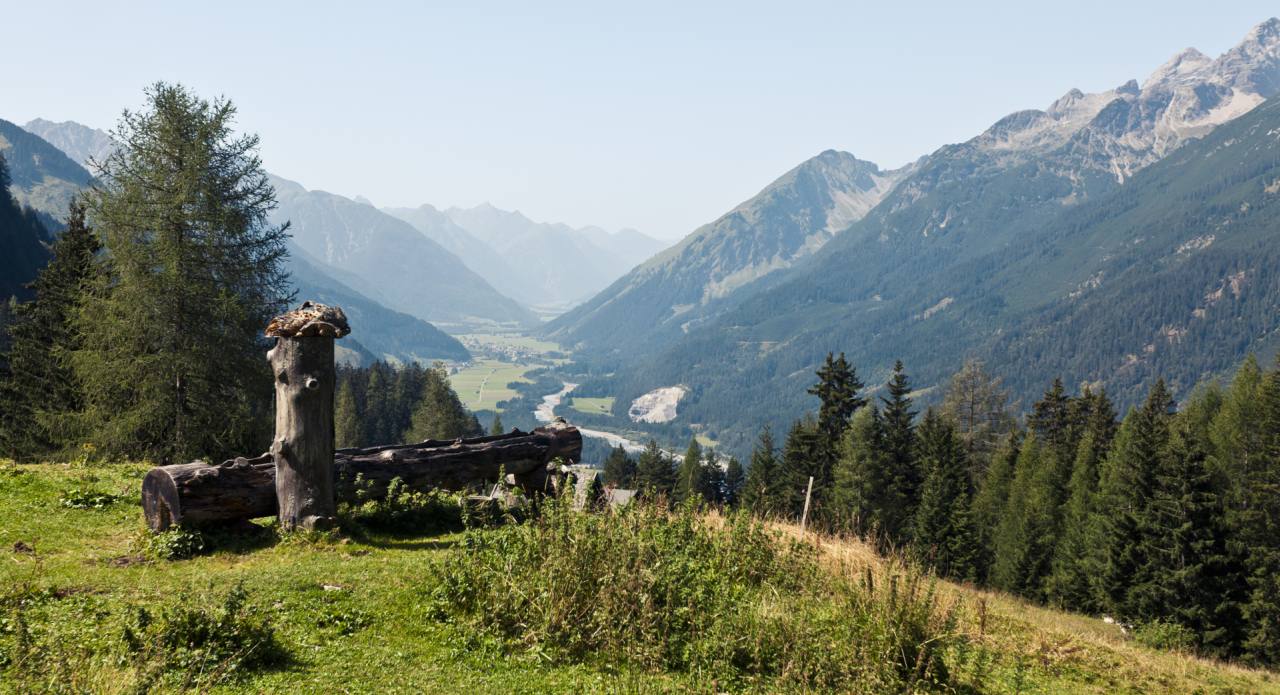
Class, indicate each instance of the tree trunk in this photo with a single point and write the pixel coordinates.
(240, 489)
(303, 444)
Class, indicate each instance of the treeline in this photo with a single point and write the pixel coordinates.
(700, 475)
(382, 404)
(143, 338)
(1164, 518)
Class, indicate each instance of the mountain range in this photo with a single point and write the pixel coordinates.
(44, 180)
(548, 266)
(1108, 238)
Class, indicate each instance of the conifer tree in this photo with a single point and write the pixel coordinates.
(1052, 419)
(712, 477)
(1072, 582)
(1198, 578)
(993, 496)
(1026, 533)
(803, 456)
(495, 428)
(905, 476)
(440, 413)
(943, 536)
(977, 402)
(1257, 523)
(734, 478)
(1126, 529)
(692, 480)
(759, 490)
(43, 388)
(655, 474)
(619, 468)
(863, 496)
(837, 391)
(378, 411)
(172, 359)
(347, 429)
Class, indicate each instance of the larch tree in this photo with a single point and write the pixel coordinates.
(172, 356)
(977, 402)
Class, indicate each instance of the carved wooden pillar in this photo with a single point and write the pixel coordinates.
(302, 363)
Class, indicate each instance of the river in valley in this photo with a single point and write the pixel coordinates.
(546, 412)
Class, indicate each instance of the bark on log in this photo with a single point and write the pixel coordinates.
(199, 494)
(303, 444)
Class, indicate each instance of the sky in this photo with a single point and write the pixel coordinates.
(652, 115)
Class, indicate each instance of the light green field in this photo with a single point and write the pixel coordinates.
(482, 385)
(592, 406)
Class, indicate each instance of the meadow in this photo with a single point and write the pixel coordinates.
(395, 602)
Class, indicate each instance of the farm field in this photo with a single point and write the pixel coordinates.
(592, 406)
(483, 385)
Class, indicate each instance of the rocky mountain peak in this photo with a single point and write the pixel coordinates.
(1186, 64)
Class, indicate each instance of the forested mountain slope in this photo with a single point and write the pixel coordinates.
(384, 333)
(790, 219)
(1177, 273)
(394, 263)
(22, 239)
(41, 176)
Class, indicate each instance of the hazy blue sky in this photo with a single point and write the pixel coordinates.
(654, 115)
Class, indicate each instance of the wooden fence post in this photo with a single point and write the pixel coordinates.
(804, 518)
(302, 364)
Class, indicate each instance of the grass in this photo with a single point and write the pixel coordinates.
(361, 612)
(484, 384)
(592, 406)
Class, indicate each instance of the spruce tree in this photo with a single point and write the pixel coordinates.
(863, 497)
(691, 480)
(440, 413)
(347, 429)
(1257, 524)
(1126, 525)
(172, 359)
(655, 474)
(993, 496)
(803, 456)
(43, 389)
(1198, 577)
(734, 478)
(619, 469)
(905, 476)
(1025, 535)
(495, 428)
(1052, 419)
(712, 477)
(837, 391)
(759, 490)
(943, 537)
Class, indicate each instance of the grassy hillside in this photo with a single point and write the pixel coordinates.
(362, 611)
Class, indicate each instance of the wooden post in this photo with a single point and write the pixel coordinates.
(302, 363)
(804, 518)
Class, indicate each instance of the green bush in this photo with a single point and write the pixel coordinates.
(402, 509)
(201, 647)
(1162, 634)
(177, 543)
(672, 591)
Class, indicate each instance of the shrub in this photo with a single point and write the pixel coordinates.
(402, 509)
(674, 591)
(201, 647)
(177, 543)
(1163, 634)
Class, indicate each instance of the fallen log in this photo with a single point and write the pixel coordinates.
(198, 493)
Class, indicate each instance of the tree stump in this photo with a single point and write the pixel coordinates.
(302, 363)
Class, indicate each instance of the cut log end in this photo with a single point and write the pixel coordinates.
(160, 501)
